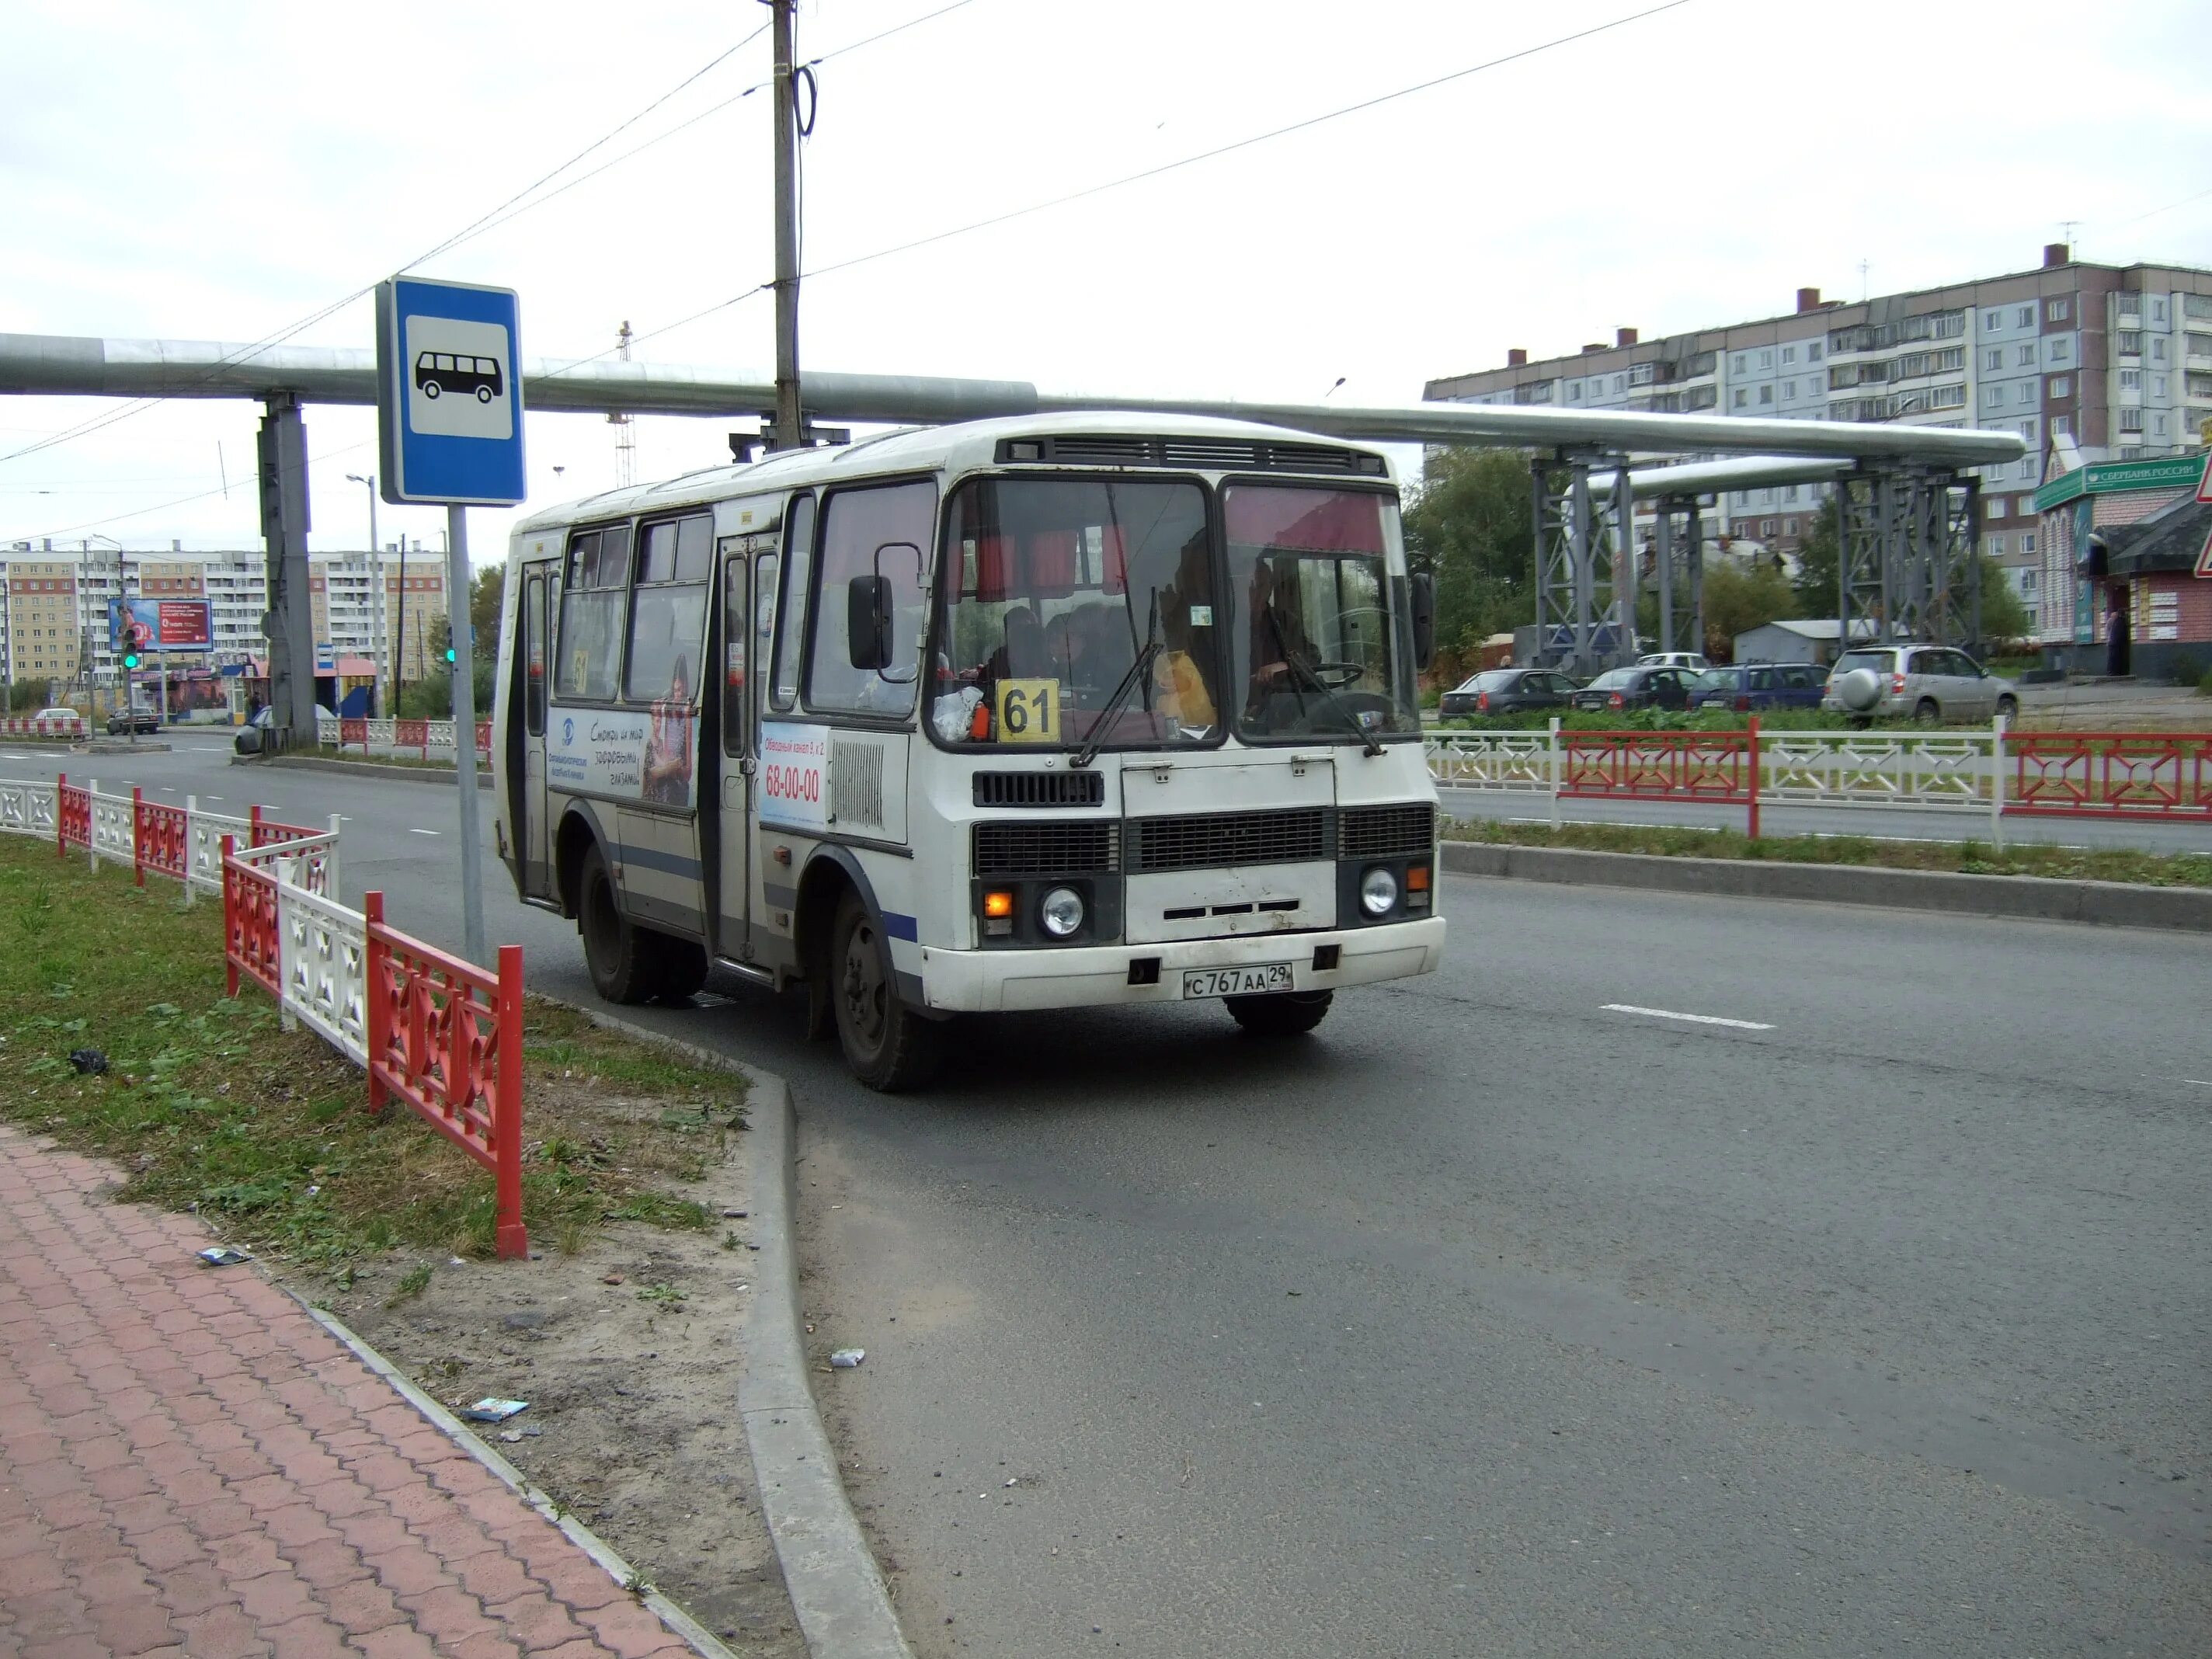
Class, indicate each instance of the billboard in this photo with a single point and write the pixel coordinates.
(161, 624)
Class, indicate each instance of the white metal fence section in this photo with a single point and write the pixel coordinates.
(1502, 760)
(324, 949)
(27, 809)
(114, 834)
(308, 862)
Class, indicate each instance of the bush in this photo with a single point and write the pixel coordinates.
(2204, 685)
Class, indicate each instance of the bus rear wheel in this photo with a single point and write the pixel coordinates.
(622, 971)
(1284, 1013)
(888, 1046)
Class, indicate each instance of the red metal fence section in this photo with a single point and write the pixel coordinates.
(72, 815)
(250, 927)
(160, 839)
(352, 731)
(1714, 766)
(411, 735)
(2121, 774)
(483, 739)
(446, 1037)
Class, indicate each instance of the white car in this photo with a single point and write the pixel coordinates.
(1929, 683)
(1674, 659)
(58, 722)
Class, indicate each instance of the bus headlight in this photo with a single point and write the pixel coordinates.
(1061, 912)
(1378, 892)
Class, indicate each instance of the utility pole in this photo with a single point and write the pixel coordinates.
(789, 434)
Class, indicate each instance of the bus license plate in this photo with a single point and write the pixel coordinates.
(1251, 979)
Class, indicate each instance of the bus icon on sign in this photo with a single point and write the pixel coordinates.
(440, 372)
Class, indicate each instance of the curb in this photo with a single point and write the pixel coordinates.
(835, 1588)
(2035, 898)
(365, 768)
(702, 1641)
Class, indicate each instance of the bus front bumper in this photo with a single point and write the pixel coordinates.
(988, 982)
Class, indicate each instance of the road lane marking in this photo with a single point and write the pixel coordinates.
(2201, 1082)
(1694, 1019)
(422, 832)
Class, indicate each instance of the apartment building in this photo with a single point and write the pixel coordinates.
(2115, 360)
(55, 620)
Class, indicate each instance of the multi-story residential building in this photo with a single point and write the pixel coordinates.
(2115, 360)
(56, 623)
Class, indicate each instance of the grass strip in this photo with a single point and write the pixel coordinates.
(212, 1106)
(1963, 858)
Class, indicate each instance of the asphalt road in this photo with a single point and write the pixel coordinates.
(1510, 1314)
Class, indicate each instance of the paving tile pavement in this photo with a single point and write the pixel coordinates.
(191, 1465)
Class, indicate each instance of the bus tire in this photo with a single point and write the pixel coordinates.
(888, 1046)
(1280, 1014)
(621, 971)
(682, 967)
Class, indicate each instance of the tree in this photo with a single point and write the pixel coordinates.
(1468, 526)
(1738, 600)
(1818, 556)
(2003, 616)
(486, 593)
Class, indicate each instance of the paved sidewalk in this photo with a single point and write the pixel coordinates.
(189, 1464)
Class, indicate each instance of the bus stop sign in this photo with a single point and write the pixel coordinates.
(448, 393)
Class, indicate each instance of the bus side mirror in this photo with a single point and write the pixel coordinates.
(868, 621)
(1425, 621)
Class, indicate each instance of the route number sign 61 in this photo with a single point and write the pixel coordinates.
(1028, 711)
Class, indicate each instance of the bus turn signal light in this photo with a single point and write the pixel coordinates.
(998, 913)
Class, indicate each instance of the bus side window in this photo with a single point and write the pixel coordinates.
(879, 530)
(737, 643)
(790, 634)
(533, 645)
(765, 568)
(591, 606)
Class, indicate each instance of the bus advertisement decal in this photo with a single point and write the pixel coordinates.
(792, 761)
(629, 756)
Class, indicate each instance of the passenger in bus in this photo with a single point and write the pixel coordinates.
(668, 744)
(1187, 628)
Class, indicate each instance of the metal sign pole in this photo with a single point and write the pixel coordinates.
(464, 726)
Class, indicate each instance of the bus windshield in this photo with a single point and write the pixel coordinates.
(1051, 589)
(1318, 653)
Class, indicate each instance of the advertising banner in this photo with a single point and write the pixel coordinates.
(795, 775)
(161, 624)
(640, 757)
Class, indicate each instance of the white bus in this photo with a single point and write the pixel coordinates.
(1059, 712)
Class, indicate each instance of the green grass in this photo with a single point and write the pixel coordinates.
(1969, 858)
(208, 1104)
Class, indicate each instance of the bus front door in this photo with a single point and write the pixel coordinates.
(742, 569)
(527, 803)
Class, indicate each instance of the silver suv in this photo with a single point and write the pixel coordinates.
(1929, 683)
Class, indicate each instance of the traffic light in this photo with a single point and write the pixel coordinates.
(131, 658)
(452, 657)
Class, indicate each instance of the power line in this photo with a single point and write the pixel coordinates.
(138, 406)
(181, 501)
(1138, 177)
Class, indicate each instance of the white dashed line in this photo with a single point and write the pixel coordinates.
(422, 832)
(1694, 1019)
(2201, 1082)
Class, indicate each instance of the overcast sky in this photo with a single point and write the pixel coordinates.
(220, 171)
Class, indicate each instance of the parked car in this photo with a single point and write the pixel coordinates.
(135, 719)
(1508, 691)
(253, 736)
(1749, 686)
(1637, 688)
(1674, 659)
(1929, 683)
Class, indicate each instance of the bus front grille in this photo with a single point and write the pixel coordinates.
(1083, 788)
(1006, 850)
(1215, 840)
(1381, 832)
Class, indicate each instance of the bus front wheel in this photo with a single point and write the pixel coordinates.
(1284, 1013)
(621, 971)
(888, 1045)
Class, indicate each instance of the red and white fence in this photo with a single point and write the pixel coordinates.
(48, 723)
(427, 1028)
(424, 739)
(2162, 777)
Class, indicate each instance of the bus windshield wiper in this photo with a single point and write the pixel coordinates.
(1138, 670)
(1352, 720)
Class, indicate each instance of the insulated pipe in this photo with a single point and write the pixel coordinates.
(59, 365)
(1717, 477)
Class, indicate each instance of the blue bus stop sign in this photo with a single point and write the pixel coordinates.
(448, 393)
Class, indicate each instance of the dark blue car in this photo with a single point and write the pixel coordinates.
(1749, 686)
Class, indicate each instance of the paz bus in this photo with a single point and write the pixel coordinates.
(1068, 711)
